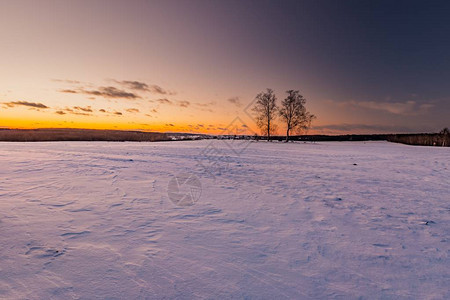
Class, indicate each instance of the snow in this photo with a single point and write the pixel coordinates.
(350, 220)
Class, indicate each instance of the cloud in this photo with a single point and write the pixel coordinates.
(183, 103)
(103, 91)
(153, 111)
(67, 81)
(408, 108)
(25, 103)
(85, 109)
(235, 100)
(71, 111)
(111, 92)
(117, 113)
(142, 86)
(68, 91)
(76, 110)
(164, 101)
(132, 110)
(156, 89)
(134, 85)
(205, 104)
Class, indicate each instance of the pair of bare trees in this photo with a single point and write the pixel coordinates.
(292, 112)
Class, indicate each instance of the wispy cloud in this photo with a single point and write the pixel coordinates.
(75, 110)
(407, 108)
(183, 103)
(110, 92)
(212, 103)
(120, 89)
(113, 113)
(205, 106)
(78, 87)
(68, 91)
(133, 85)
(235, 100)
(132, 110)
(144, 87)
(156, 89)
(85, 109)
(67, 81)
(164, 101)
(152, 112)
(25, 103)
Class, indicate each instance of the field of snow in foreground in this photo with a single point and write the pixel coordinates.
(82, 220)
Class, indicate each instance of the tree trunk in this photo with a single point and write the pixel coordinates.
(287, 135)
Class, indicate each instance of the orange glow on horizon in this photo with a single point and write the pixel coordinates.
(15, 123)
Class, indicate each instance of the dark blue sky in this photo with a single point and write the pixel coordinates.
(363, 48)
(365, 54)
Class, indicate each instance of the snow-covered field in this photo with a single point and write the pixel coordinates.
(82, 220)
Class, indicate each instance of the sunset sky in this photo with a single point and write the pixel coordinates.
(194, 66)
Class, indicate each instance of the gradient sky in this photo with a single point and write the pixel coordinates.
(363, 66)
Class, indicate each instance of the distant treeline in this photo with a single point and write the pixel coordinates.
(422, 139)
(441, 139)
(332, 138)
(47, 135)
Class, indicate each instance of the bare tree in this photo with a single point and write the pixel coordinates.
(445, 136)
(293, 112)
(266, 111)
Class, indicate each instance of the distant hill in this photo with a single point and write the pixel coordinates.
(67, 134)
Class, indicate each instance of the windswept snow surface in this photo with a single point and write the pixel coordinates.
(82, 220)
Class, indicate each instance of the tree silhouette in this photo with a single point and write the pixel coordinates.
(266, 111)
(293, 112)
(445, 136)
